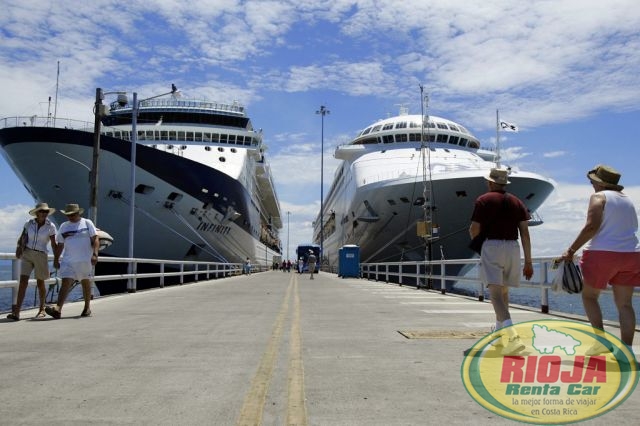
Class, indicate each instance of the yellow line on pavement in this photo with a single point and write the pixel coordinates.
(296, 408)
(253, 406)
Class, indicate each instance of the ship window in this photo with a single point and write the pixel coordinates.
(366, 131)
(452, 127)
(150, 135)
(181, 135)
(108, 133)
(463, 141)
(164, 135)
(239, 140)
(414, 137)
(222, 159)
(419, 201)
(404, 200)
(442, 138)
(474, 144)
(206, 137)
(144, 189)
(453, 140)
(172, 135)
(413, 125)
(215, 137)
(442, 126)
(189, 136)
(223, 138)
(375, 128)
(117, 134)
(391, 202)
(174, 196)
(141, 135)
(402, 137)
(248, 141)
(220, 149)
(232, 139)
(387, 139)
(401, 125)
(387, 126)
(429, 137)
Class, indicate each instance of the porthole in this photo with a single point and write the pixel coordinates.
(234, 150)
(220, 149)
(222, 159)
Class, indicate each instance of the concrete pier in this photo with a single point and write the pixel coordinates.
(269, 348)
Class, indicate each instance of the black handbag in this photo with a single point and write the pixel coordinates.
(477, 241)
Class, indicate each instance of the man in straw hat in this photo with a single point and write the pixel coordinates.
(36, 234)
(611, 255)
(501, 216)
(311, 262)
(78, 241)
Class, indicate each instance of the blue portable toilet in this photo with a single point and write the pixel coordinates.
(349, 261)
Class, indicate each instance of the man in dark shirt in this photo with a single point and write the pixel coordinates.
(501, 217)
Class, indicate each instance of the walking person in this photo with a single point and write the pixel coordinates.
(502, 217)
(311, 262)
(611, 255)
(31, 250)
(78, 241)
(247, 266)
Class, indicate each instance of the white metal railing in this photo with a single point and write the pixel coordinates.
(418, 274)
(188, 271)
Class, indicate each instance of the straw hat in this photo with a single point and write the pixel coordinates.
(498, 176)
(71, 209)
(41, 206)
(605, 176)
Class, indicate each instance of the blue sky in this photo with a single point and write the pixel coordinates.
(567, 72)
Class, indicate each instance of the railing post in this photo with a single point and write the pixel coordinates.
(196, 276)
(132, 283)
(15, 275)
(443, 281)
(386, 274)
(400, 273)
(161, 275)
(544, 290)
(181, 273)
(418, 273)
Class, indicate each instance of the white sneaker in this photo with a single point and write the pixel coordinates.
(598, 348)
(514, 346)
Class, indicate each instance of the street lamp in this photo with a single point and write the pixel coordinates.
(288, 214)
(322, 111)
(100, 111)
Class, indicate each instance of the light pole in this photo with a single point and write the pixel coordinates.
(322, 111)
(132, 202)
(288, 214)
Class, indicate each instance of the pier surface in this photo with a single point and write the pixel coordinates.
(270, 348)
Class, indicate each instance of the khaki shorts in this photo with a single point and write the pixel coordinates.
(34, 260)
(500, 263)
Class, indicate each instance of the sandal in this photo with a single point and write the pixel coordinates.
(51, 311)
(13, 316)
(40, 314)
(86, 313)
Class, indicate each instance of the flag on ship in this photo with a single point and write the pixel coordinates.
(509, 127)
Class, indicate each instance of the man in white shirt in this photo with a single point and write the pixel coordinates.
(78, 240)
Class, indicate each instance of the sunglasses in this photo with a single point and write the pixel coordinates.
(43, 211)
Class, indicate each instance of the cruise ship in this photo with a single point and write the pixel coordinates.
(203, 189)
(405, 191)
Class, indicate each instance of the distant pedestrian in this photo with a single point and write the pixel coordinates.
(78, 241)
(31, 249)
(611, 255)
(501, 217)
(288, 265)
(247, 266)
(300, 265)
(311, 262)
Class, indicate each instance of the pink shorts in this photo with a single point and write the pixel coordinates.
(600, 268)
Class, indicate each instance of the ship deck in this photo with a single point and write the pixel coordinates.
(269, 348)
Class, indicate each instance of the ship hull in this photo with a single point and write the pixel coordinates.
(184, 210)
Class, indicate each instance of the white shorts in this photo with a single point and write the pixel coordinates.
(76, 270)
(500, 263)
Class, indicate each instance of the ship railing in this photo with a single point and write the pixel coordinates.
(186, 271)
(433, 275)
(439, 168)
(60, 123)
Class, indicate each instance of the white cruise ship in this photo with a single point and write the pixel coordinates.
(405, 191)
(204, 189)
